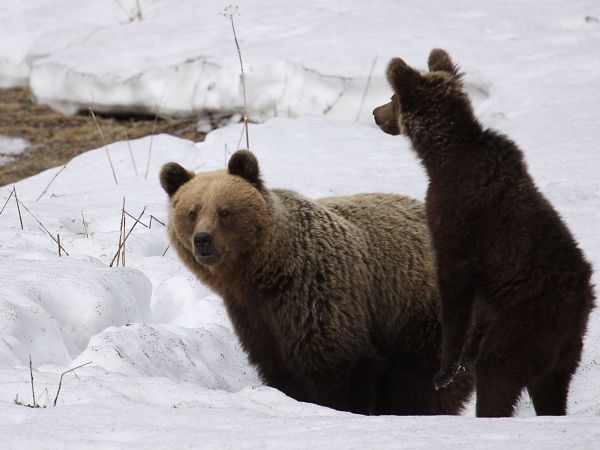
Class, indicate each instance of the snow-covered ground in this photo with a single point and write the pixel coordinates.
(167, 371)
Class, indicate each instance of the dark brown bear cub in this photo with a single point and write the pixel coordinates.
(515, 287)
(334, 300)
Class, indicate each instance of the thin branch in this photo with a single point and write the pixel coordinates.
(31, 374)
(152, 139)
(84, 225)
(61, 378)
(141, 223)
(166, 250)
(6, 202)
(51, 181)
(127, 236)
(42, 225)
(18, 209)
(362, 102)
(58, 242)
(159, 221)
(231, 12)
(131, 154)
(119, 253)
(103, 142)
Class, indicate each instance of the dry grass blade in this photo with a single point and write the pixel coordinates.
(104, 143)
(51, 181)
(32, 388)
(119, 253)
(166, 250)
(362, 101)
(152, 139)
(84, 225)
(18, 209)
(58, 242)
(127, 236)
(231, 12)
(155, 219)
(63, 374)
(42, 225)
(141, 223)
(131, 154)
(6, 202)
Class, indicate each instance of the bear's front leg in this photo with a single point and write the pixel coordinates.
(457, 294)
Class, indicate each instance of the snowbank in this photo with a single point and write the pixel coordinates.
(315, 62)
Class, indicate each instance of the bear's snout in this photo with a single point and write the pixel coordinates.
(205, 249)
(386, 119)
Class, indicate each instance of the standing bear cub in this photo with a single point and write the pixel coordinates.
(514, 286)
(334, 301)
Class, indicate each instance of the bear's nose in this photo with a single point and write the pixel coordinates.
(203, 243)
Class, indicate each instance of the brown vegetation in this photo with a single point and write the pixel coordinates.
(56, 138)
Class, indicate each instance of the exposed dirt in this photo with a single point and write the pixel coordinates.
(56, 138)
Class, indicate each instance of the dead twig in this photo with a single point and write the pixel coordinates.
(131, 154)
(18, 209)
(141, 223)
(42, 225)
(51, 181)
(230, 12)
(127, 236)
(152, 139)
(84, 225)
(154, 218)
(119, 253)
(103, 142)
(58, 242)
(6, 202)
(63, 374)
(362, 102)
(166, 250)
(32, 388)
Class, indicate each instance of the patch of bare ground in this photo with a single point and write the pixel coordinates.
(55, 138)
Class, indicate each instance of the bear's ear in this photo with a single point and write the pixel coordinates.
(401, 76)
(244, 164)
(439, 60)
(173, 176)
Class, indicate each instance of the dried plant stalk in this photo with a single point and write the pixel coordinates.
(63, 374)
(127, 236)
(104, 143)
(18, 209)
(230, 12)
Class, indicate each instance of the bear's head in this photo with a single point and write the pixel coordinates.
(421, 99)
(218, 218)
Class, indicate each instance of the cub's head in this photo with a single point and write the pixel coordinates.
(217, 218)
(422, 97)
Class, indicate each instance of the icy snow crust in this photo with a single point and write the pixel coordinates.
(167, 369)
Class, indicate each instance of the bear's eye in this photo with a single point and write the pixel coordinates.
(192, 215)
(224, 213)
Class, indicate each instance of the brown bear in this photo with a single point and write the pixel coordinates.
(515, 288)
(334, 300)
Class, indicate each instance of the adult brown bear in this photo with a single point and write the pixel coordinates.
(506, 262)
(334, 300)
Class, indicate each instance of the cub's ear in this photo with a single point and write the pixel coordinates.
(439, 60)
(244, 164)
(173, 176)
(402, 77)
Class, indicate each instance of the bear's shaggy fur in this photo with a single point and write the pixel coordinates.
(506, 262)
(334, 300)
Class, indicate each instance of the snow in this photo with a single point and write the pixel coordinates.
(10, 148)
(167, 370)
